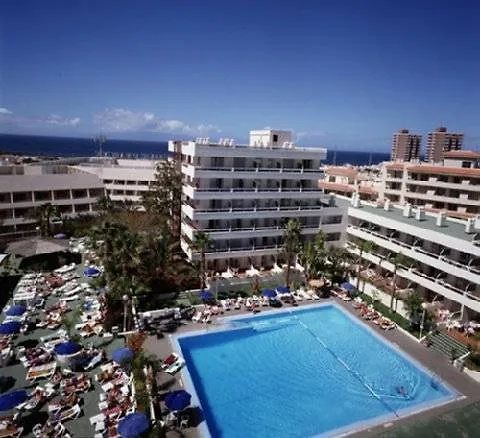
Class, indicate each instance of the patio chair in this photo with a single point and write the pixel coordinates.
(11, 432)
(67, 414)
(177, 366)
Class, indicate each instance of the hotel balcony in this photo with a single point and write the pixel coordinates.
(430, 196)
(443, 264)
(251, 173)
(252, 193)
(464, 185)
(257, 212)
(251, 232)
(435, 285)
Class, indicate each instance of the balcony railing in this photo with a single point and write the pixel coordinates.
(255, 189)
(421, 250)
(243, 248)
(257, 169)
(254, 209)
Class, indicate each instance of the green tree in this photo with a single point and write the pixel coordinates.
(165, 196)
(365, 247)
(291, 245)
(312, 256)
(338, 259)
(104, 205)
(44, 214)
(397, 260)
(202, 243)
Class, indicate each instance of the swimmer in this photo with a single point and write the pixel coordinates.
(402, 390)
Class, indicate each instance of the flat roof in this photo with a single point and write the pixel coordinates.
(451, 228)
(30, 183)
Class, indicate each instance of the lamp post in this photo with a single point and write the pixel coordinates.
(125, 302)
(422, 321)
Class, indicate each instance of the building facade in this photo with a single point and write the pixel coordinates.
(441, 256)
(123, 179)
(242, 196)
(453, 187)
(347, 181)
(406, 146)
(440, 142)
(23, 188)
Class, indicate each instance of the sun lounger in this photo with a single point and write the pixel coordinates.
(313, 294)
(42, 371)
(177, 366)
(67, 414)
(170, 360)
(197, 317)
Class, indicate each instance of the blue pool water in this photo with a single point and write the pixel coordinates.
(302, 373)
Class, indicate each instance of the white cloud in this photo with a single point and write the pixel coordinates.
(124, 120)
(55, 119)
(5, 111)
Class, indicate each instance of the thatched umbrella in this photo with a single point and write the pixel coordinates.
(36, 246)
(316, 284)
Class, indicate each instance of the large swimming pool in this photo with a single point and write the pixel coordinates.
(302, 372)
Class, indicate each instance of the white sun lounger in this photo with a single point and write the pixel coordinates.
(172, 369)
(41, 371)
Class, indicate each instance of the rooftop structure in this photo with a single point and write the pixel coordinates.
(440, 142)
(452, 187)
(242, 195)
(346, 181)
(406, 146)
(23, 188)
(443, 253)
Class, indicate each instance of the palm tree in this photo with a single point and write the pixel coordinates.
(291, 245)
(366, 246)
(44, 214)
(338, 257)
(104, 204)
(398, 260)
(202, 242)
(313, 256)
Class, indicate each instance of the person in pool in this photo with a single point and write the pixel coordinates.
(402, 390)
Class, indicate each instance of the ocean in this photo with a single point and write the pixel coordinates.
(68, 147)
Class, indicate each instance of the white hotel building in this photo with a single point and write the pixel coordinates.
(443, 253)
(242, 195)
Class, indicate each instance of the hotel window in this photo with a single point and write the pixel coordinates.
(466, 164)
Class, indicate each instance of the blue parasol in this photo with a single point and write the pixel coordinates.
(10, 327)
(349, 287)
(283, 290)
(123, 354)
(205, 295)
(60, 236)
(15, 310)
(133, 425)
(177, 400)
(67, 348)
(91, 272)
(269, 293)
(12, 399)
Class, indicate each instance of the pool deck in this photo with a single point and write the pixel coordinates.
(79, 427)
(431, 359)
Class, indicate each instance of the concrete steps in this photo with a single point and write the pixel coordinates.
(447, 345)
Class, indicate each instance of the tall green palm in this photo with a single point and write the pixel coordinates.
(365, 247)
(397, 260)
(201, 243)
(104, 204)
(292, 242)
(44, 214)
(338, 258)
(312, 256)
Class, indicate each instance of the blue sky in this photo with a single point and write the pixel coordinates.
(342, 74)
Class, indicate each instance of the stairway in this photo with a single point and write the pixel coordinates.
(446, 344)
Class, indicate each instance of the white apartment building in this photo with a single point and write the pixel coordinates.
(25, 187)
(123, 179)
(453, 186)
(242, 195)
(443, 253)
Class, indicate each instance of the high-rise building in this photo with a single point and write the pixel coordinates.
(242, 196)
(405, 146)
(442, 141)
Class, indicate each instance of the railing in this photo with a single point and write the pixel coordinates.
(421, 250)
(255, 189)
(237, 210)
(244, 248)
(257, 169)
(246, 146)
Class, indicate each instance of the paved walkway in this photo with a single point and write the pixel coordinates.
(431, 359)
